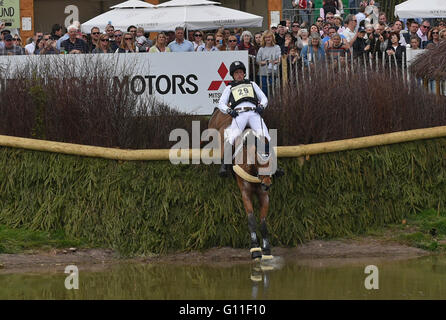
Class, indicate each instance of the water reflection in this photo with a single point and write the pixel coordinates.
(423, 278)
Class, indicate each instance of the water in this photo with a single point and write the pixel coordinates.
(421, 278)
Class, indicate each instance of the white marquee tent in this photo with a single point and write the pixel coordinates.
(421, 9)
(190, 14)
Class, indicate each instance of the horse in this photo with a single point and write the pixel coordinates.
(249, 180)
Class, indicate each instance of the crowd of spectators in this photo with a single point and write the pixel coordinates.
(332, 36)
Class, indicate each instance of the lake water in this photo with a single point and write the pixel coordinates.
(419, 278)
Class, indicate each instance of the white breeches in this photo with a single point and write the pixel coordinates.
(239, 123)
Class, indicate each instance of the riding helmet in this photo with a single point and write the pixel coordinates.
(235, 66)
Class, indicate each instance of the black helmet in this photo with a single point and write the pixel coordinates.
(235, 66)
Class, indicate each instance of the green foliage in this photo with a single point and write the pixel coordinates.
(157, 207)
(17, 240)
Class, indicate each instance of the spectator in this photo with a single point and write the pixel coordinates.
(314, 51)
(395, 48)
(295, 27)
(360, 47)
(280, 35)
(329, 18)
(94, 39)
(209, 44)
(133, 30)
(415, 43)
(413, 28)
(246, 43)
(336, 49)
(128, 44)
(349, 32)
(118, 37)
(268, 58)
(273, 28)
(170, 36)
(304, 37)
(287, 44)
(320, 22)
(114, 43)
(48, 45)
(257, 41)
(360, 16)
(220, 41)
(382, 18)
(232, 43)
(331, 33)
(18, 42)
(433, 37)
(324, 31)
(198, 39)
(180, 44)
(423, 32)
(315, 28)
(304, 9)
(329, 6)
(142, 37)
(338, 23)
(10, 48)
(103, 45)
(56, 31)
(397, 27)
(382, 43)
(74, 44)
(30, 48)
(226, 33)
(442, 34)
(160, 44)
(238, 34)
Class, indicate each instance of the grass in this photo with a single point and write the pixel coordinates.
(18, 240)
(425, 230)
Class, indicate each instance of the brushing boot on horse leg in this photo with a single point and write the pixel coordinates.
(266, 248)
(256, 251)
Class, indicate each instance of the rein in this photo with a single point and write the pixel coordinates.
(244, 175)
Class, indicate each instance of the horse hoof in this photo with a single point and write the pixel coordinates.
(256, 254)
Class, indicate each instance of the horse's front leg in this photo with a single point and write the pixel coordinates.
(264, 207)
(246, 190)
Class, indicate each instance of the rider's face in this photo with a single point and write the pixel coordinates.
(239, 75)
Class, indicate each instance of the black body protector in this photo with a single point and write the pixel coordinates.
(242, 91)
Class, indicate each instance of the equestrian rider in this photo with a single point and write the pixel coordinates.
(245, 102)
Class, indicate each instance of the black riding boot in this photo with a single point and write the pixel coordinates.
(279, 171)
(256, 251)
(227, 160)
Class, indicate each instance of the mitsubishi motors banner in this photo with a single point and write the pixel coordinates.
(190, 82)
(10, 13)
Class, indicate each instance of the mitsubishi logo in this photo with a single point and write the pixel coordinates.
(222, 71)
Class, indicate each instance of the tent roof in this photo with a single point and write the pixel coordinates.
(421, 9)
(133, 4)
(182, 3)
(167, 19)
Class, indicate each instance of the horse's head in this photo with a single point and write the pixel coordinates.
(258, 159)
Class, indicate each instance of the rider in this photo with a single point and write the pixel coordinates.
(245, 102)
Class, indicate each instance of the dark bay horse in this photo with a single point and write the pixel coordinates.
(249, 181)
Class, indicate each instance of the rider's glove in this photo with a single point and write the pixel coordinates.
(259, 109)
(233, 113)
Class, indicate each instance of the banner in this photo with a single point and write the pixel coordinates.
(190, 82)
(10, 13)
